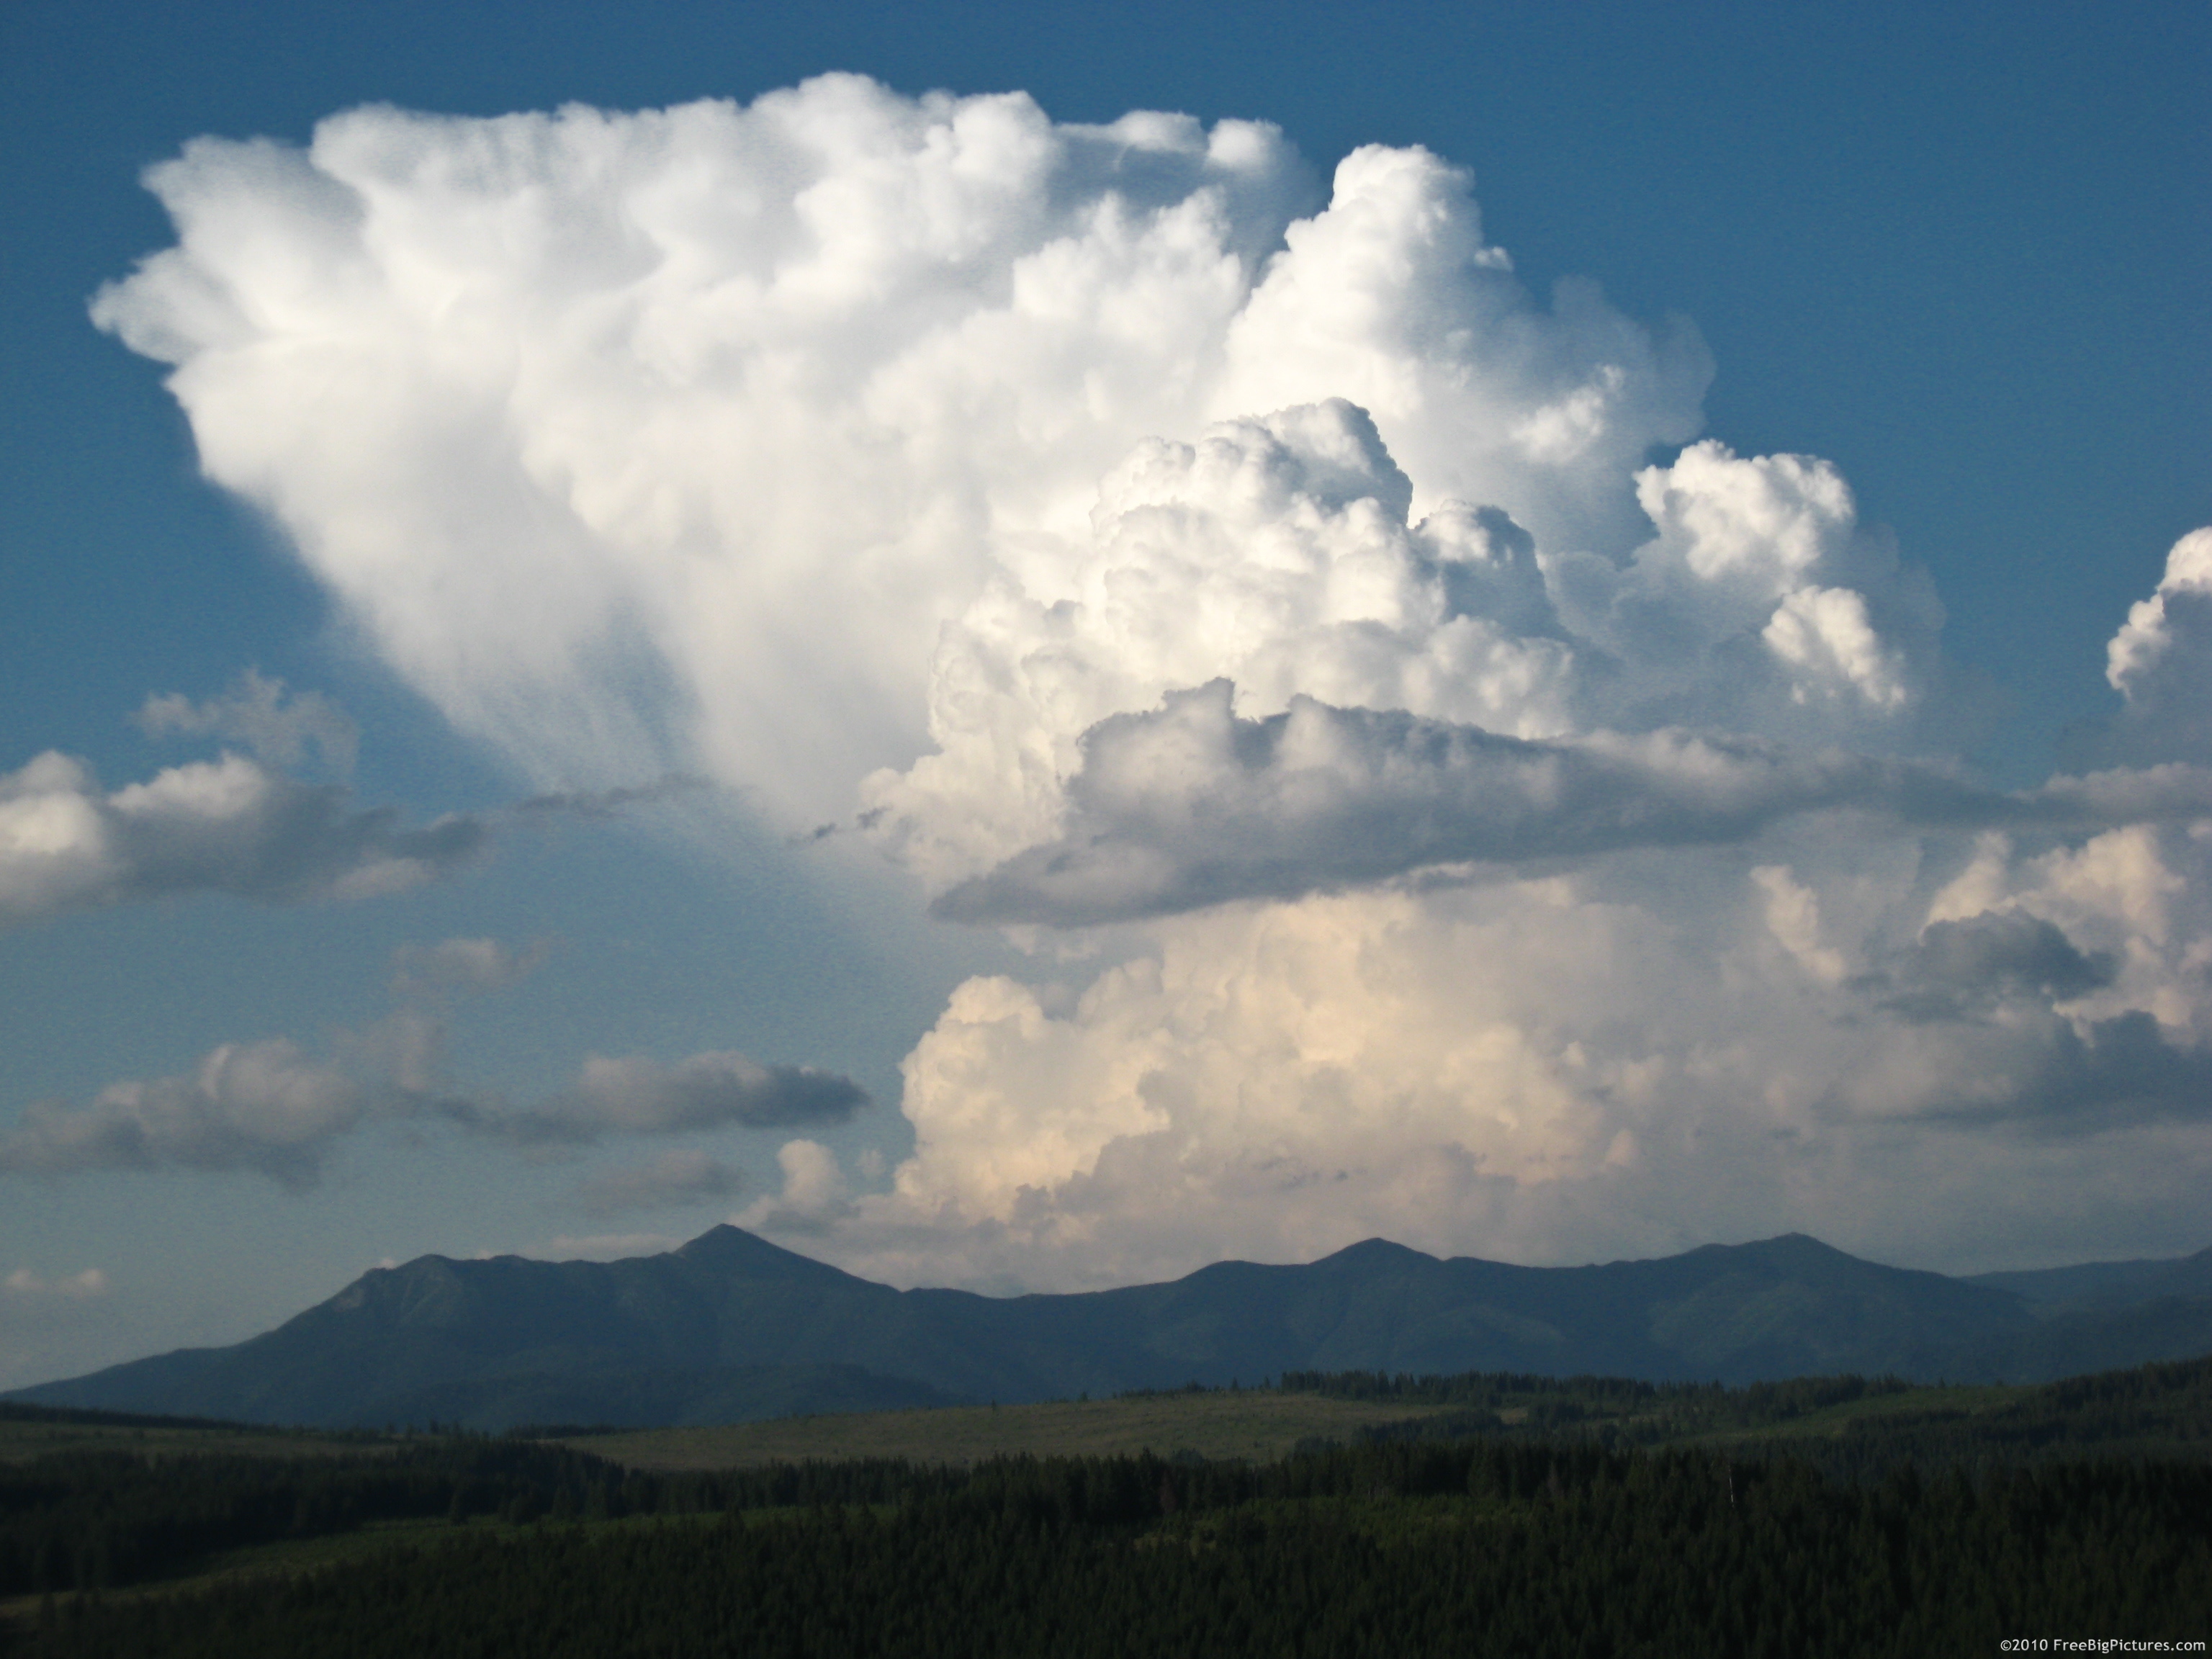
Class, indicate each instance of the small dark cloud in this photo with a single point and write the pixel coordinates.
(1958, 969)
(605, 803)
(821, 832)
(636, 1096)
(2128, 1070)
(2062, 1079)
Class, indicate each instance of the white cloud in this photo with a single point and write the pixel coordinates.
(1571, 867)
(262, 1106)
(229, 825)
(2161, 661)
(814, 1197)
(1793, 916)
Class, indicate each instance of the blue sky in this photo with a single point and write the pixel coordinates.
(1959, 253)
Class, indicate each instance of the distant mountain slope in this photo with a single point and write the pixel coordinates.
(2105, 1285)
(2096, 1339)
(730, 1326)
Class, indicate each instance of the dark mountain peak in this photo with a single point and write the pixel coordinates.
(1786, 1252)
(1791, 1249)
(733, 1250)
(1373, 1252)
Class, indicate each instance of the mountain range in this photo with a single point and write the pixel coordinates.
(730, 1327)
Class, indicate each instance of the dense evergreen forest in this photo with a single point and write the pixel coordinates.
(2084, 1509)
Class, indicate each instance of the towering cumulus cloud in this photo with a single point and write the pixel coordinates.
(1495, 818)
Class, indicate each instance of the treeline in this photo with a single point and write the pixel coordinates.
(2160, 1412)
(102, 1520)
(1577, 1399)
(1487, 1547)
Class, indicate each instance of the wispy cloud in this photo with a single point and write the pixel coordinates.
(460, 965)
(69, 1287)
(277, 727)
(689, 1177)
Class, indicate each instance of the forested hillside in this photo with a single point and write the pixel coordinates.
(1829, 1516)
(1478, 1548)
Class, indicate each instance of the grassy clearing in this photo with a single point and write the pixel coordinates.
(1256, 1426)
(1253, 1424)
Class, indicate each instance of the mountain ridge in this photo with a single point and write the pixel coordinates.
(730, 1322)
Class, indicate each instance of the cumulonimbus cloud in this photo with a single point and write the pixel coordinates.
(725, 375)
(914, 465)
